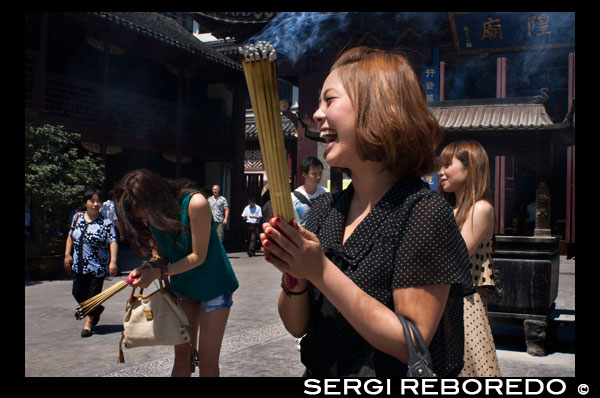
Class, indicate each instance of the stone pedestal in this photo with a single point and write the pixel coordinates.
(527, 268)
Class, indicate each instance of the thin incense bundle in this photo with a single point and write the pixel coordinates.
(85, 307)
(260, 70)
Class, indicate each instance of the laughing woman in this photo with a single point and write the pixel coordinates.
(387, 244)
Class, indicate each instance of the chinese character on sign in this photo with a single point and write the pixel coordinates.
(430, 76)
(492, 29)
(538, 25)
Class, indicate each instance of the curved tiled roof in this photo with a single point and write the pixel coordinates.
(289, 129)
(167, 30)
(491, 114)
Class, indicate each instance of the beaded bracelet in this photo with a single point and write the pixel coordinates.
(287, 291)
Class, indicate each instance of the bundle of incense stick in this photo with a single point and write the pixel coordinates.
(85, 307)
(260, 70)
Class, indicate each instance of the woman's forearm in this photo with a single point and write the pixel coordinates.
(294, 310)
(114, 249)
(68, 246)
(187, 263)
(376, 323)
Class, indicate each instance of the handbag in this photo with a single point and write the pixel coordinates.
(156, 319)
(419, 363)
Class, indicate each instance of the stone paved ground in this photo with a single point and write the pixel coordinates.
(255, 343)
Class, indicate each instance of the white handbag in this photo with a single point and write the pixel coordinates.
(156, 319)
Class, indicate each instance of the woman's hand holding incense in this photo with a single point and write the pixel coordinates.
(292, 249)
(144, 275)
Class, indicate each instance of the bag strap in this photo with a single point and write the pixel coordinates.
(413, 356)
(75, 223)
(302, 198)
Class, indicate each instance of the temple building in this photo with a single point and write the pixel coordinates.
(143, 92)
(504, 79)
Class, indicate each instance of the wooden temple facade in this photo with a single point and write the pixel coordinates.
(143, 92)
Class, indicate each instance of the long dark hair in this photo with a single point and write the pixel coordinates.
(157, 198)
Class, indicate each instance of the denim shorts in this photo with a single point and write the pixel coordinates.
(224, 301)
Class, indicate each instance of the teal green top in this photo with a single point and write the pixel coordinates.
(210, 279)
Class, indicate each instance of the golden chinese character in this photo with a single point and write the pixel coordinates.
(429, 85)
(429, 97)
(492, 29)
(429, 72)
(538, 25)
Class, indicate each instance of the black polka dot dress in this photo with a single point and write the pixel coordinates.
(408, 239)
(480, 350)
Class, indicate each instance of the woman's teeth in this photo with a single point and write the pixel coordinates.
(328, 134)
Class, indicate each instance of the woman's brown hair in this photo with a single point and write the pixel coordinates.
(157, 197)
(477, 185)
(394, 124)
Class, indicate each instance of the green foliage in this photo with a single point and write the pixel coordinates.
(56, 177)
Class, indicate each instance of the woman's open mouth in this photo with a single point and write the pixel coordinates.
(329, 136)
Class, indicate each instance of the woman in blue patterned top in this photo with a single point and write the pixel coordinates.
(92, 240)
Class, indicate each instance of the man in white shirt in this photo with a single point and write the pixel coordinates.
(304, 195)
(253, 215)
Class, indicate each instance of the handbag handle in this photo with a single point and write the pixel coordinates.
(413, 356)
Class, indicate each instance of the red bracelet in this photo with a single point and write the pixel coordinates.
(291, 281)
(287, 290)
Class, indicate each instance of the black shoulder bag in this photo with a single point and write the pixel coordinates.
(419, 363)
(302, 198)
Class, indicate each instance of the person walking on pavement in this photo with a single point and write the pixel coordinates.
(464, 180)
(172, 221)
(252, 214)
(305, 195)
(108, 211)
(220, 210)
(90, 254)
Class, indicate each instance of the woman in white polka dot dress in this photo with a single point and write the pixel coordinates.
(387, 244)
(465, 182)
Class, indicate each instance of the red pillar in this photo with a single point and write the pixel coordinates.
(309, 86)
(500, 169)
(442, 76)
(501, 78)
(570, 227)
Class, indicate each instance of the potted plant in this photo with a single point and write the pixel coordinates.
(56, 176)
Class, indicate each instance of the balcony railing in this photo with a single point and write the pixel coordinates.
(73, 101)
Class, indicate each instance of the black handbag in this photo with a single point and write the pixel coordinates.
(419, 363)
